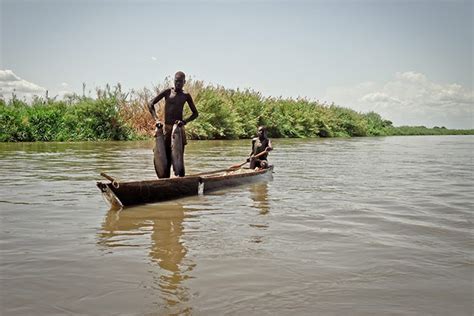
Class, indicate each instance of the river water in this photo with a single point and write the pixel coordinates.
(363, 226)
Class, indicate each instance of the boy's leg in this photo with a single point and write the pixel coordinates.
(253, 162)
(257, 163)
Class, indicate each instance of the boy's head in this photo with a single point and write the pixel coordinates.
(262, 132)
(179, 80)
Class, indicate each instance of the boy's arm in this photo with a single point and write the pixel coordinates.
(251, 153)
(151, 105)
(193, 109)
(269, 146)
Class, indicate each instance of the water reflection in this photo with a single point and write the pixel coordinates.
(163, 223)
(259, 196)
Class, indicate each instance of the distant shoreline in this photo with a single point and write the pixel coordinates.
(224, 114)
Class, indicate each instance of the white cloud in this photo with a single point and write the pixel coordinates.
(64, 93)
(64, 90)
(411, 76)
(379, 97)
(10, 83)
(8, 75)
(410, 98)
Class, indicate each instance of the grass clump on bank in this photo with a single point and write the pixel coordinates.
(223, 114)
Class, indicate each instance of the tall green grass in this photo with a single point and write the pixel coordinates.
(227, 114)
(74, 119)
(223, 114)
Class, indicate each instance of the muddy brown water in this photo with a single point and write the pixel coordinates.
(366, 226)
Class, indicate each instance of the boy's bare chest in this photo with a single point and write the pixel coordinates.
(259, 144)
(176, 98)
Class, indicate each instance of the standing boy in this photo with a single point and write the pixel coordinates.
(175, 98)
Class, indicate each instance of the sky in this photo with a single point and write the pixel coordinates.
(410, 61)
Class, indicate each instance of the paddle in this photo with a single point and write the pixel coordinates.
(237, 166)
(231, 168)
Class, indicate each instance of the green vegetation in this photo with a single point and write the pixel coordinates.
(74, 119)
(422, 130)
(224, 114)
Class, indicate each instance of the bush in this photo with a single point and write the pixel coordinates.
(84, 119)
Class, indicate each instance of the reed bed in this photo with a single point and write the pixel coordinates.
(223, 114)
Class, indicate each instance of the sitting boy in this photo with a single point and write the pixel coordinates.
(260, 144)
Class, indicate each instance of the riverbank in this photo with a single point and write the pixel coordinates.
(224, 114)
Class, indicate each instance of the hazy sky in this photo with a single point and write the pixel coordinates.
(411, 61)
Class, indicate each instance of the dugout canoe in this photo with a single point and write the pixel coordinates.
(120, 194)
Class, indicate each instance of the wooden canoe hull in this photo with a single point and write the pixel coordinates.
(218, 182)
(120, 194)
